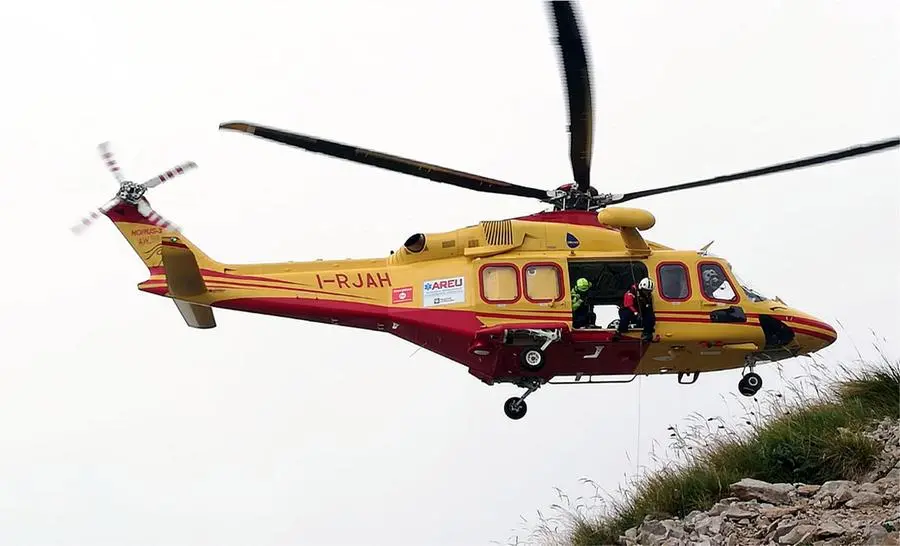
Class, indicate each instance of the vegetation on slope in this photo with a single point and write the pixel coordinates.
(810, 439)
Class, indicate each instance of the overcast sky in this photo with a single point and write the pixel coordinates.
(120, 425)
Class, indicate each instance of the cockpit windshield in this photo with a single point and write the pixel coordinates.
(751, 293)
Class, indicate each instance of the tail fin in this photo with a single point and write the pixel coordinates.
(145, 235)
(174, 262)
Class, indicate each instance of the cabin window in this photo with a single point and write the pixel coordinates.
(543, 283)
(609, 280)
(500, 283)
(714, 283)
(673, 281)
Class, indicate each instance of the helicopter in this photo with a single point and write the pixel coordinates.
(496, 296)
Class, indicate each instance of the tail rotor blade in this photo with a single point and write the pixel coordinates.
(110, 160)
(145, 210)
(88, 220)
(170, 174)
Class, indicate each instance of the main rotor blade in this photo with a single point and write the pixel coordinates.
(798, 164)
(389, 162)
(578, 88)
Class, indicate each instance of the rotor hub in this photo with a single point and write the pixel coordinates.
(131, 192)
(571, 197)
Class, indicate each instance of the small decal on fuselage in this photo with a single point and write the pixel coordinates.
(355, 280)
(444, 291)
(402, 295)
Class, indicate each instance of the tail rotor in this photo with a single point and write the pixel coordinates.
(132, 193)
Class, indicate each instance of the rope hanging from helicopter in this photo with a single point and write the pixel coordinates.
(637, 448)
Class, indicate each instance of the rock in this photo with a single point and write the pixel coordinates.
(783, 528)
(797, 534)
(709, 525)
(890, 482)
(828, 530)
(878, 535)
(832, 542)
(830, 487)
(673, 529)
(692, 517)
(835, 493)
(865, 499)
(654, 527)
(748, 489)
(736, 512)
(868, 488)
(808, 490)
(778, 512)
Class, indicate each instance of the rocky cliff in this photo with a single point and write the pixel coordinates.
(828, 514)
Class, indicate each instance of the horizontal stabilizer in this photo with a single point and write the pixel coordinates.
(196, 315)
(184, 280)
(182, 272)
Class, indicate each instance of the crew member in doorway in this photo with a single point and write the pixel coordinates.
(637, 306)
(582, 314)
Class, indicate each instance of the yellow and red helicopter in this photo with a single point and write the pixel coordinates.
(496, 296)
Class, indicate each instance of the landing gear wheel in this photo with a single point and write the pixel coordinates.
(515, 408)
(750, 384)
(532, 359)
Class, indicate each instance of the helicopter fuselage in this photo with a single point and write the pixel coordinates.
(483, 294)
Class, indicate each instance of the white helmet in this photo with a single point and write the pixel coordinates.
(645, 284)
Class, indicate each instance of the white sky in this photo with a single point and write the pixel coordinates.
(120, 425)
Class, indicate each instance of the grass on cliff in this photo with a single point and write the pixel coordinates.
(811, 439)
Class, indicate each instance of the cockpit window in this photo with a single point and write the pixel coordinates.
(714, 283)
(752, 294)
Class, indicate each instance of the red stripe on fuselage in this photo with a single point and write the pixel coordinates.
(230, 284)
(160, 270)
(785, 318)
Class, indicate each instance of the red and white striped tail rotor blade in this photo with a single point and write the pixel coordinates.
(88, 220)
(170, 174)
(143, 207)
(110, 160)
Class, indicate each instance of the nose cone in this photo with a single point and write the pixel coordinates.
(810, 333)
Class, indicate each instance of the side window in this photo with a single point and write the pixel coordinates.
(543, 283)
(500, 284)
(714, 283)
(609, 280)
(673, 281)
